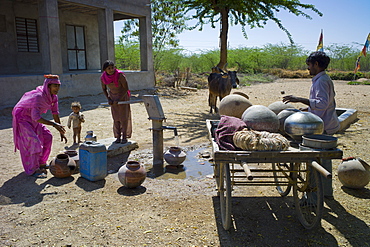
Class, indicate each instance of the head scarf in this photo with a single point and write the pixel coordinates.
(108, 79)
(40, 97)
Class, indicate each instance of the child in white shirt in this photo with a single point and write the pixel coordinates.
(76, 118)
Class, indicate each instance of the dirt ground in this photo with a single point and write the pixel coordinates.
(175, 212)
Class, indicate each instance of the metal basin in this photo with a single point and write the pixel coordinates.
(303, 123)
(319, 141)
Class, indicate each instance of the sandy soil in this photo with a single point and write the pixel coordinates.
(175, 212)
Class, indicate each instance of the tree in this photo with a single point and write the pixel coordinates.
(252, 13)
(168, 20)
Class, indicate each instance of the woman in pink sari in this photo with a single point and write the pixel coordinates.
(31, 137)
(115, 88)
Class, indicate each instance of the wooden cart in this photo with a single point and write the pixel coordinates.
(294, 168)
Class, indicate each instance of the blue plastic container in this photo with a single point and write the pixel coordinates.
(93, 161)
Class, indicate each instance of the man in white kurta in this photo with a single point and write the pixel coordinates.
(321, 103)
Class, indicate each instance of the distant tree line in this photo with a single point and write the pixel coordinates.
(170, 18)
(250, 60)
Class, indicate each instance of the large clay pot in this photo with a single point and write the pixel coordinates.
(174, 156)
(233, 105)
(278, 106)
(261, 118)
(303, 123)
(132, 174)
(62, 166)
(354, 173)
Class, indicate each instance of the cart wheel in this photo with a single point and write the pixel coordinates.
(310, 201)
(225, 195)
(281, 171)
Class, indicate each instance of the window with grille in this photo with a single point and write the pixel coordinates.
(27, 38)
(76, 47)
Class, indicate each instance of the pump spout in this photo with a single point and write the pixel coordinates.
(171, 128)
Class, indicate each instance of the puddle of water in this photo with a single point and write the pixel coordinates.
(194, 166)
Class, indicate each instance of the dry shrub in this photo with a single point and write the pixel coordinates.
(283, 73)
(194, 80)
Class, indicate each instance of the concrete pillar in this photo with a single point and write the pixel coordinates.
(106, 35)
(50, 46)
(146, 54)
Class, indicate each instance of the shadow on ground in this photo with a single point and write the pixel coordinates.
(271, 221)
(23, 189)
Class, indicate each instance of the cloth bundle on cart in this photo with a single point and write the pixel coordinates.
(260, 141)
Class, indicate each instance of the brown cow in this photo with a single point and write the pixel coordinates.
(219, 85)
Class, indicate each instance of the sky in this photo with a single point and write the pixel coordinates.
(344, 22)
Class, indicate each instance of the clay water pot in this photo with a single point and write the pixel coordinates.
(233, 105)
(174, 156)
(261, 118)
(132, 174)
(303, 123)
(354, 173)
(74, 155)
(62, 166)
(278, 106)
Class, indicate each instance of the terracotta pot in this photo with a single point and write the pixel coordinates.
(278, 106)
(132, 174)
(234, 105)
(354, 173)
(74, 155)
(174, 156)
(261, 118)
(62, 166)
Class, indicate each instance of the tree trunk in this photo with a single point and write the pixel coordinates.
(223, 37)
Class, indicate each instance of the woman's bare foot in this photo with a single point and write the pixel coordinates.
(39, 174)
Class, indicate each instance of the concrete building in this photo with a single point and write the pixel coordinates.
(71, 38)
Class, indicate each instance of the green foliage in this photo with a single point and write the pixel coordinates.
(168, 20)
(244, 13)
(284, 56)
(247, 13)
(281, 60)
(247, 79)
(341, 56)
(341, 75)
(128, 56)
(168, 60)
(359, 83)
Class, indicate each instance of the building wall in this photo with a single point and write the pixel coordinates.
(12, 61)
(73, 85)
(21, 72)
(90, 24)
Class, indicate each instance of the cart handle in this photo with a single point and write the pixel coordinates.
(321, 169)
(247, 170)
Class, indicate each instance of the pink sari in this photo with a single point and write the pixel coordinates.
(31, 138)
